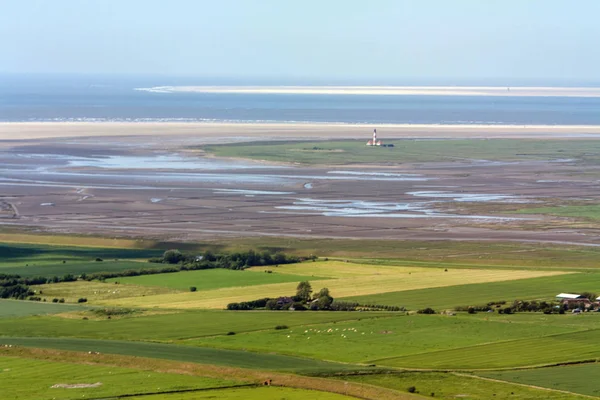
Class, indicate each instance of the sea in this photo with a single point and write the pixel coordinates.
(104, 98)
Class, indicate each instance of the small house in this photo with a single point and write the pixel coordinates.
(569, 296)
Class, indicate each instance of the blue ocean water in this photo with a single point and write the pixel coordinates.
(102, 99)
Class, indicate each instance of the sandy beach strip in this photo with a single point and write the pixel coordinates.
(226, 132)
(503, 91)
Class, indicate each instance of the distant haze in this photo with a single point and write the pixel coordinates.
(541, 42)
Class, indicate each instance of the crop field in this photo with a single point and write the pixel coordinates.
(21, 379)
(257, 393)
(169, 327)
(561, 348)
(362, 279)
(588, 212)
(220, 357)
(210, 279)
(19, 308)
(368, 340)
(94, 291)
(440, 298)
(408, 150)
(571, 378)
(39, 254)
(449, 386)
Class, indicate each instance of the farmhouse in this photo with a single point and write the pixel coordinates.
(569, 296)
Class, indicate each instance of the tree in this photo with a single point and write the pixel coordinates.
(172, 256)
(322, 293)
(304, 290)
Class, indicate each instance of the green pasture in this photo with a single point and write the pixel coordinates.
(21, 308)
(450, 386)
(511, 353)
(410, 150)
(29, 260)
(169, 327)
(443, 298)
(438, 254)
(221, 357)
(588, 212)
(580, 378)
(256, 393)
(26, 379)
(95, 291)
(13, 254)
(210, 279)
(374, 339)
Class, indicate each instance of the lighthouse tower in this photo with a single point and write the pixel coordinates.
(374, 141)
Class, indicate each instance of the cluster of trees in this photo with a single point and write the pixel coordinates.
(304, 299)
(177, 261)
(13, 287)
(502, 307)
(236, 260)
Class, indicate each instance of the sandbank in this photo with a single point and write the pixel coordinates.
(503, 91)
(215, 132)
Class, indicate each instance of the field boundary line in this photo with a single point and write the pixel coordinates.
(282, 379)
(487, 344)
(524, 385)
(132, 395)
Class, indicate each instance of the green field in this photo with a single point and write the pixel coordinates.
(20, 308)
(562, 348)
(588, 212)
(95, 291)
(368, 340)
(410, 150)
(572, 378)
(450, 386)
(259, 393)
(168, 327)
(545, 288)
(211, 279)
(33, 379)
(221, 357)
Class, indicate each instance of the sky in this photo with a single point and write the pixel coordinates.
(396, 40)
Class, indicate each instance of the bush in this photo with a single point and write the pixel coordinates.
(508, 310)
(427, 310)
(230, 333)
(471, 310)
(82, 300)
(411, 389)
(61, 300)
(193, 288)
(280, 327)
(98, 259)
(55, 300)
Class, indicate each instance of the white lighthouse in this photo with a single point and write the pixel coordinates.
(374, 141)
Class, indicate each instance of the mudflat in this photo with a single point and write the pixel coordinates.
(155, 180)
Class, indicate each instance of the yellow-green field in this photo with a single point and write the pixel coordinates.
(347, 279)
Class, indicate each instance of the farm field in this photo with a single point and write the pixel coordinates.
(561, 348)
(21, 379)
(440, 298)
(374, 340)
(571, 378)
(421, 253)
(19, 308)
(362, 279)
(408, 150)
(219, 357)
(189, 324)
(450, 386)
(19, 254)
(210, 279)
(256, 393)
(94, 291)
